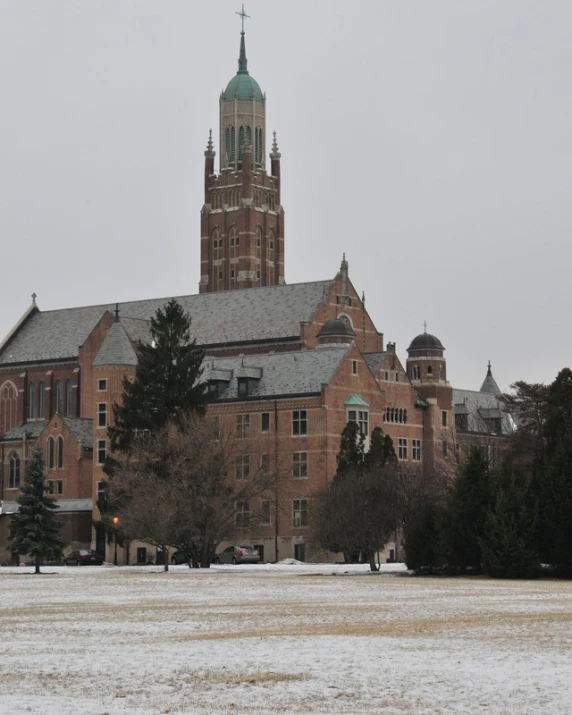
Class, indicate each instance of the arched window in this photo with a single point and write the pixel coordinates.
(258, 242)
(42, 400)
(50, 450)
(429, 370)
(32, 401)
(69, 398)
(249, 135)
(416, 372)
(258, 146)
(271, 241)
(13, 470)
(60, 451)
(232, 153)
(227, 145)
(240, 143)
(8, 406)
(441, 372)
(59, 397)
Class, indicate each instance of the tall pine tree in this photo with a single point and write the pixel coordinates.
(167, 379)
(35, 529)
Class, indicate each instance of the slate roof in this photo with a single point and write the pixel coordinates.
(81, 428)
(478, 407)
(238, 316)
(374, 361)
(490, 385)
(291, 373)
(116, 349)
(31, 430)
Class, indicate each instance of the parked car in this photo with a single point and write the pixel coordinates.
(84, 557)
(238, 555)
(180, 557)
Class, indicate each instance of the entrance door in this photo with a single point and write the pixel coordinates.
(100, 539)
(300, 552)
(260, 549)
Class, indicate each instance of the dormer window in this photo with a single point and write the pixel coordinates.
(243, 387)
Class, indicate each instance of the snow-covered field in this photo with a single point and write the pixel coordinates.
(281, 639)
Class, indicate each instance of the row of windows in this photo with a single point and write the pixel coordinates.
(299, 465)
(402, 448)
(232, 198)
(244, 133)
(395, 414)
(63, 404)
(243, 423)
(299, 513)
(416, 372)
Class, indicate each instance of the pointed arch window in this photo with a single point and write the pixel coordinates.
(60, 452)
(240, 143)
(13, 470)
(416, 372)
(51, 453)
(69, 398)
(42, 400)
(8, 405)
(271, 242)
(32, 414)
(59, 397)
(258, 146)
(227, 145)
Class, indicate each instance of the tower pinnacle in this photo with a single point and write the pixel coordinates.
(242, 61)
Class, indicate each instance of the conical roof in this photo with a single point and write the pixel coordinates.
(489, 385)
(242, 85)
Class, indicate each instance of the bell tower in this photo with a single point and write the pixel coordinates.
(242, 219)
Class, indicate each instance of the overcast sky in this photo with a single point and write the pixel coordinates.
(429, 140)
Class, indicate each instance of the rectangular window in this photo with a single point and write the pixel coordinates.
(242, 384)
(242, 466)
(299, 512)
(265, 513)
(396, 377)
(242, 426)
(299, 422)
(445, 448)
(300, 465)
(102, 414)
(386, 376)
(102, 385)
(101, 450)
(443, 418)
(242, 514)
(265, 463)
(101, 494)
(362, 418)
(354, 367)
(265, 422)
(402, 453)
(59, 486)
(49, 486)
(416, 450)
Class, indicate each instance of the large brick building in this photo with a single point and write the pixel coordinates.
(290, 363)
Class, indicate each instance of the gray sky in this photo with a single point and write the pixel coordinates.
(429, 140)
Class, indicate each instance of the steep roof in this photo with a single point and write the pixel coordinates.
(81, 428)
(238, 316)
(116, 349)
(480, 408)
(489, 384)
(292, 373)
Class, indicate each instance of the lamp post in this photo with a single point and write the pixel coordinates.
(115, 521)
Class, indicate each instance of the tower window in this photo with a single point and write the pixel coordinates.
(429, 370)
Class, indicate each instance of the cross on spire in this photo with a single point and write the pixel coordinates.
(424, 326)
(242, 16)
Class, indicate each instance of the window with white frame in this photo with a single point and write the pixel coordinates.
(102, 414)
(54, 486)
(265, 422)
(299, 512)
(402, 448)
(101, 493)
(416, 450)
(300, 465)
(362, 419)
(101, 450)
(416, 372)
(242, 514)
(265, 518)
(242, 466)
(242, 426)
(299, 422)
(102, 384)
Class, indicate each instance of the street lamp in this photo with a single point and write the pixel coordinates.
(115, 521)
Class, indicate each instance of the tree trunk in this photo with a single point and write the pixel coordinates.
(372, 562)
(165, 558)
(38, 561)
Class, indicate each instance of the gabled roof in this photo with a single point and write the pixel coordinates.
(116, 349)
(480, 407)
(31, 430)
(81, 428)
(239, 316)
(292, 373)
(374, 361)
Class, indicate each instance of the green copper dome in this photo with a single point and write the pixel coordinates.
(242, 85)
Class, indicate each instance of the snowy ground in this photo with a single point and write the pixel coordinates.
(281, 639)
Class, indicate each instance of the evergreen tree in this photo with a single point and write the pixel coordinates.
(422, 538)
(465, 513)
(352, 446)
(35, 529)
(508, 539)
(166, 384)
(381, 451)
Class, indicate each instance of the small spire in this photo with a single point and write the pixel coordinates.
(425, 327)
(34, 296)
(275, 151)
(116, 311)
(363, 298)
(489, 371)
(242, 61)
(210, 141)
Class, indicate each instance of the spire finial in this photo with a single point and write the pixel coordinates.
(34, 296)
(210, 141)
(489, 371)
(275, 152)
(242, 61)
(116, 311)
(425, 327)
